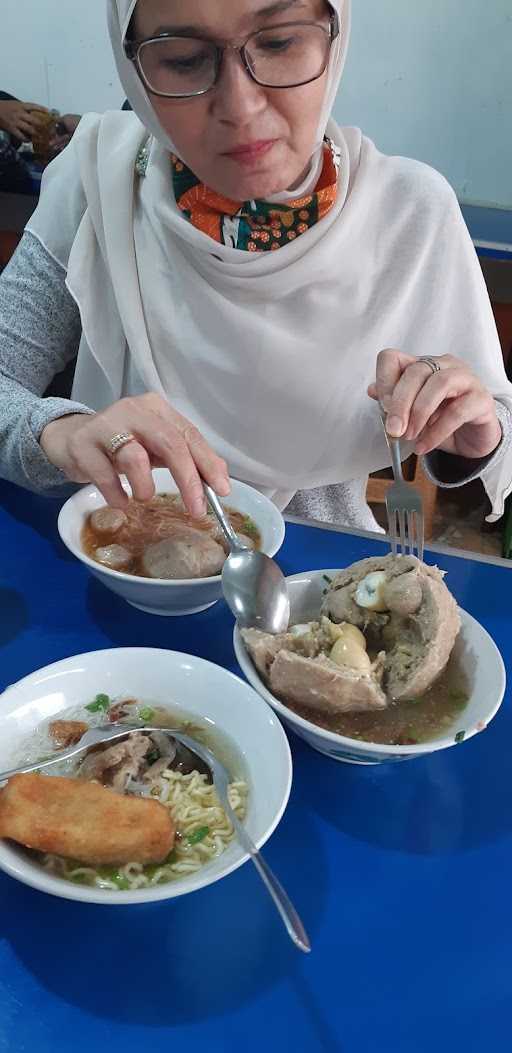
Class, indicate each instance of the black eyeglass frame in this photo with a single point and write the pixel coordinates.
(132, 49)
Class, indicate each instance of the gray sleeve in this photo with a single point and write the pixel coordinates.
(448, 471)
(39, 335)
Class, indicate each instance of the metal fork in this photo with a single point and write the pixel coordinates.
(404, 506)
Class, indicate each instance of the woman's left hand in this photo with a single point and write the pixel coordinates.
(448, 410)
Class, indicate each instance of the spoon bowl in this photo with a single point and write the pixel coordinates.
(254, 586)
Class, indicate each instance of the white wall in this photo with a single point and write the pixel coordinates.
(57, 53)
(427, 78)
(432, 79)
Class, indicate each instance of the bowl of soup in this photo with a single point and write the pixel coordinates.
(154, 555)
(137, 820)
(458, 703)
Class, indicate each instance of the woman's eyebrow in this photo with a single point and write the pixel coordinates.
(269, 11)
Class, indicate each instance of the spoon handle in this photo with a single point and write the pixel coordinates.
(222, 518)
(291, 919)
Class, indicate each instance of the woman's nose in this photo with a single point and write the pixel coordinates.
(237, 98)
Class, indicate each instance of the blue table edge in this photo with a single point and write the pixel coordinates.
(439, 549)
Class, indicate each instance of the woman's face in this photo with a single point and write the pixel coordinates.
(275, 127)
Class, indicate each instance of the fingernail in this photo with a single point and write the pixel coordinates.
(223, 486)
(394, 427)
(385, 402)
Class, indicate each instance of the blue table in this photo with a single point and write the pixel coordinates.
(403, 874)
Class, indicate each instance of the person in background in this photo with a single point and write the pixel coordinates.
(21, 122)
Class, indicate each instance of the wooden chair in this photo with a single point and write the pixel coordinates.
(379, 484)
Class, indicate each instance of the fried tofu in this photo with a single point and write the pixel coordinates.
(84, 821)
(67, 732)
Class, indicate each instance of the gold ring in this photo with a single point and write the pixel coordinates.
(118, 441)
(432, 362)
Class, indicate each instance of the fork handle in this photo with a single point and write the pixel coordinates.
(396, 460)
(393, 447)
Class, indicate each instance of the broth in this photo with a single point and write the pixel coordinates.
(402, 723)
(161, 518)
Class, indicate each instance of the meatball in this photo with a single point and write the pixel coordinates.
(403, 594)
(116, 557)
(190, 555)
(108, 520)
(339, 606)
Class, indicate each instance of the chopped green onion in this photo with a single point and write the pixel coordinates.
(114, 875)
(101, 702)
(460, 736)
(198, 835)
(249, 527)
(153, 756)
(146, 713)
(327, 579)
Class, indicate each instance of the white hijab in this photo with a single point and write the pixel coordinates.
(268, 354)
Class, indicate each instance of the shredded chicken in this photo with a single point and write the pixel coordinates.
(117, 764)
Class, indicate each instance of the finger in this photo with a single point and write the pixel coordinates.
(372, 391)
(171, 448)
(133, 461)
(30, 126)
(35, 107)
(448, 384)
(211, 467)
(390, 366)
(453, 416)
(417, 376)
(23, 130)
(94, 465)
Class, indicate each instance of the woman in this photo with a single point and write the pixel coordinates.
(231, 262)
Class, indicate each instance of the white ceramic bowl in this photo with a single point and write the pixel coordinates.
(475, 648)
(153, 595)
(190, 685)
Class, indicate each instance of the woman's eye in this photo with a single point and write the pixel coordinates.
(276, 44)
(184, 65)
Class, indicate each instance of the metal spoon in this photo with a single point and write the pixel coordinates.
(254, 586)
(221, 781)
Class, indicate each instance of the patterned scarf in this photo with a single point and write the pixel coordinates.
(256, 226)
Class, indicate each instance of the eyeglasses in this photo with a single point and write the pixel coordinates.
(285, 56)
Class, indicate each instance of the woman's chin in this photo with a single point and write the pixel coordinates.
(239, 182)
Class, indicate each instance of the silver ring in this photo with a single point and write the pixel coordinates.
(118, 441)
(432, 362)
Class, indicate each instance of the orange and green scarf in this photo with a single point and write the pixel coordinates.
(256, 226)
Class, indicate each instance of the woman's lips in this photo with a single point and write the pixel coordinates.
(248, 153)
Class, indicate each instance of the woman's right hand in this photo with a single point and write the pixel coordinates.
(79, 445)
